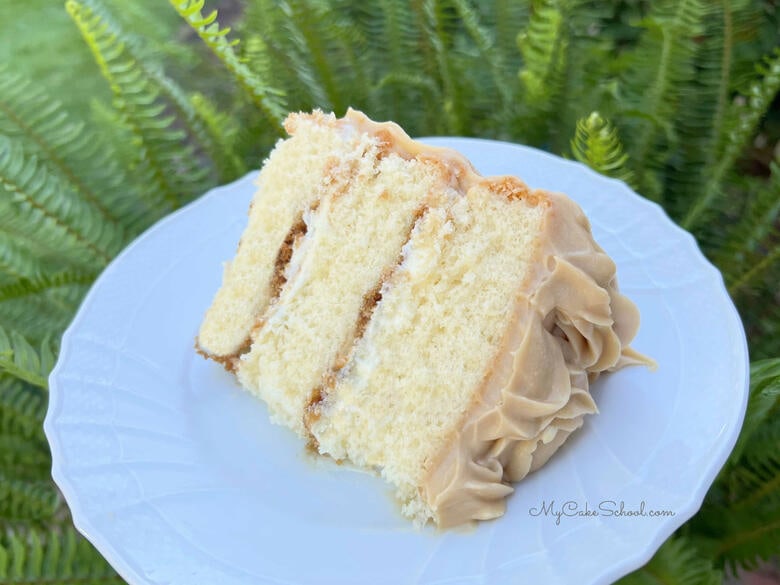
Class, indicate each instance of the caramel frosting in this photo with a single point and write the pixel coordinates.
(569, 323)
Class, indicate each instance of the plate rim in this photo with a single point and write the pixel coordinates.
(725, 441)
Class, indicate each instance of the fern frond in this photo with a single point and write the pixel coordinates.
(24, 459)
(747, 250)
(658, 67)
(740, 519)
(26, 500)
(272, 52)
(759, 473)
(507, 17)
(112, 124)
(764, 396)
(543, 46)
(37, 285)
(425, 84)
(754, 272)
(148, 104)
(436, 30)
(394, 38)
(677, 562)
(268, 98)
(43, 304)
(223, 129)
(742, 528)
(22, 409)
(46, 207)
(17, 261)
(312, 48)
(699, 118)
(747, 536)
(19, 359)
(41, 316)
(308, 28)
(200, 130)
(589, 75)
(743, 118)
(596, 144)
(57, 556)
(80, 157)
(485, 44)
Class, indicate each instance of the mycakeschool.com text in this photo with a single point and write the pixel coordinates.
(604, 509)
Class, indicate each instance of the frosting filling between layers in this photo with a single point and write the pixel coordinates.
(368, 203)
(290, 182)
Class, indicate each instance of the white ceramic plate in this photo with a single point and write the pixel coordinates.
(177, 476)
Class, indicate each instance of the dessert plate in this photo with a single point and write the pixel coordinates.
(177, 476)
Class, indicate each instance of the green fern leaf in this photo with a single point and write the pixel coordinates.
(437, 30)
(275, 49)
(22, 408)
(57, 556)
(40, 203)
(42, 283)
(562, 54)
(764, 397)
(24, 459)
(748, 250)
(657, 68)
(596, 144)
(759, 473)
(19, 359)
(149, 104)
(543, 47)
(114, 127)
(701, 116)
(742, 120)
(739, 523)
(485, 44)
(425, 84)
(748, 536)
(507, 17)
(312, 35)
(222, 129)
(393, 37)
(268, 98)
(286, 57)
(43, 304)
(43, 314)
(17, 261)
(27, 500)
(677, 562)
(653, 93)
(80, 157)
(201, 131)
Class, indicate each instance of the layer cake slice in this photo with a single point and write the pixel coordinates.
(400, 311)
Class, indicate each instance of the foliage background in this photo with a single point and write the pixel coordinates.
(113, 113)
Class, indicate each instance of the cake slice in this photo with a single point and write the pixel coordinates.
(400, 311)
